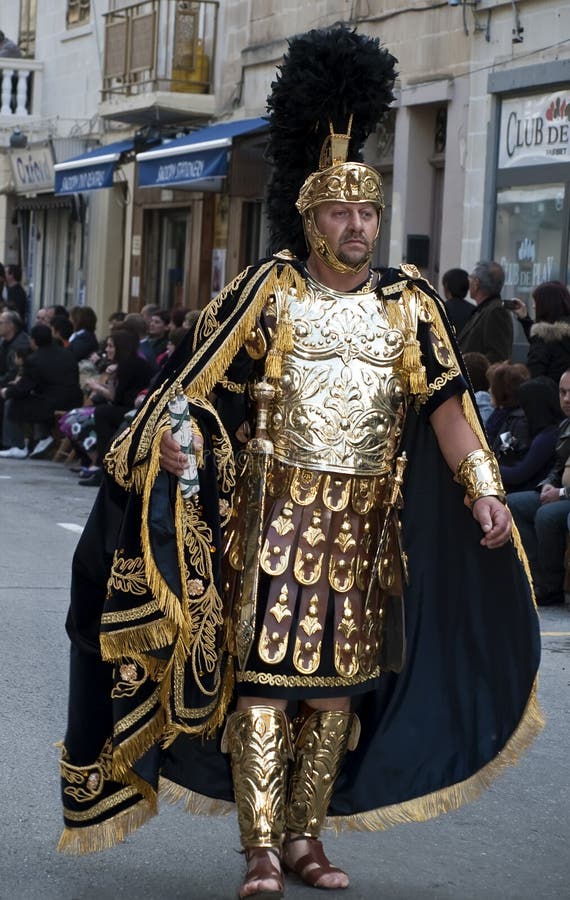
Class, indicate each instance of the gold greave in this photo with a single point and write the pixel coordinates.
(321, 744)
(257, 740)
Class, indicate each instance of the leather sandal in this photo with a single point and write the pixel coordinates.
(312, 865)
(262, 863)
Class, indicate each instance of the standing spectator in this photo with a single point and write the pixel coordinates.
(83, 340)
(49, 381)
(490, 329)
(455, 287)
(8, 48)
(549, 335)
(16, 297)
(542, 515)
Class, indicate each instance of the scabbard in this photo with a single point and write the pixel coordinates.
(259, 452)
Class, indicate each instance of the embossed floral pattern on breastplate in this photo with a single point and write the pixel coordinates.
(342, 401)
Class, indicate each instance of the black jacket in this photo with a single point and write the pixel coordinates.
(84, 344)
(549, 349)
(489, 330)
(8, 350)
(562, 452)
(49, 373)
(459, 311)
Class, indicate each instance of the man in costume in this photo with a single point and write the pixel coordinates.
(249, 646)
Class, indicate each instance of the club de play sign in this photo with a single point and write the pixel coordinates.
(535, 130)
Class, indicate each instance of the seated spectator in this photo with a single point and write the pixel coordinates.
(158, 332)
(127, 375)
(83, 341)
(477, 366)
(12, 339)
(49, 382)
(455, 288)
(175, 338)
(136, 323)
(62, 329)
(541, 516)
(524, 469)
(191, 318)
(507, 417)
(46, 314)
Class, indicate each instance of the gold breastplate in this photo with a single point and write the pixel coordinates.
(342, 400)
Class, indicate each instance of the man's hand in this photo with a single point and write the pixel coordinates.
(549, 494)
(171, 457)
(495, 521)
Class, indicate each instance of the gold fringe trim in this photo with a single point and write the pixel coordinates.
(95, 838)
(165, 597)
(116, 460)
(132, 748)
(216, 367)
(418, 810)
(136, 641)
(195, 803)
(443, 801)
(473, 419)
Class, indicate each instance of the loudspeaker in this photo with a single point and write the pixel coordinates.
(417, 250)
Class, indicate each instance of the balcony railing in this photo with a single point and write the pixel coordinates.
(160, 46)
(20, 82)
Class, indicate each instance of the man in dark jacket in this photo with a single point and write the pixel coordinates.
(16, 297)
(455, 286)
(49, 381)
(490, 329)
(542, 515)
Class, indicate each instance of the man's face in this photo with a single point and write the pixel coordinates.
(10, 280)
(6, 327)
(350, 229)
(42, 317)
(156, 327)
(564, 394)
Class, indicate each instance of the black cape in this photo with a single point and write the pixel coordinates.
(145, 707)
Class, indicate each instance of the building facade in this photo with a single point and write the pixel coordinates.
(171, 94)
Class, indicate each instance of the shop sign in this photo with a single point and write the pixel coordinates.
(535, 130)
(526, 271)
(32, 170)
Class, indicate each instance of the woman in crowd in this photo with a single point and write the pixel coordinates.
(127, 374)
(524, 467)
(507, 418)
(549, 334)
(83, 341)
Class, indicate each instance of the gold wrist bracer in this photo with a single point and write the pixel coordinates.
(479, 474)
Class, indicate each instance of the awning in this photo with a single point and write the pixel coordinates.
(195, 157)
(90, 171)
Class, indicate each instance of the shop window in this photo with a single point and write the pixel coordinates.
(529, 230)
(78, 12)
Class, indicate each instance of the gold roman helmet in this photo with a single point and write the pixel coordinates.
(342, 181)
(330, 92)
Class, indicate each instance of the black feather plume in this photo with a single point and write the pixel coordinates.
(326, 76)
